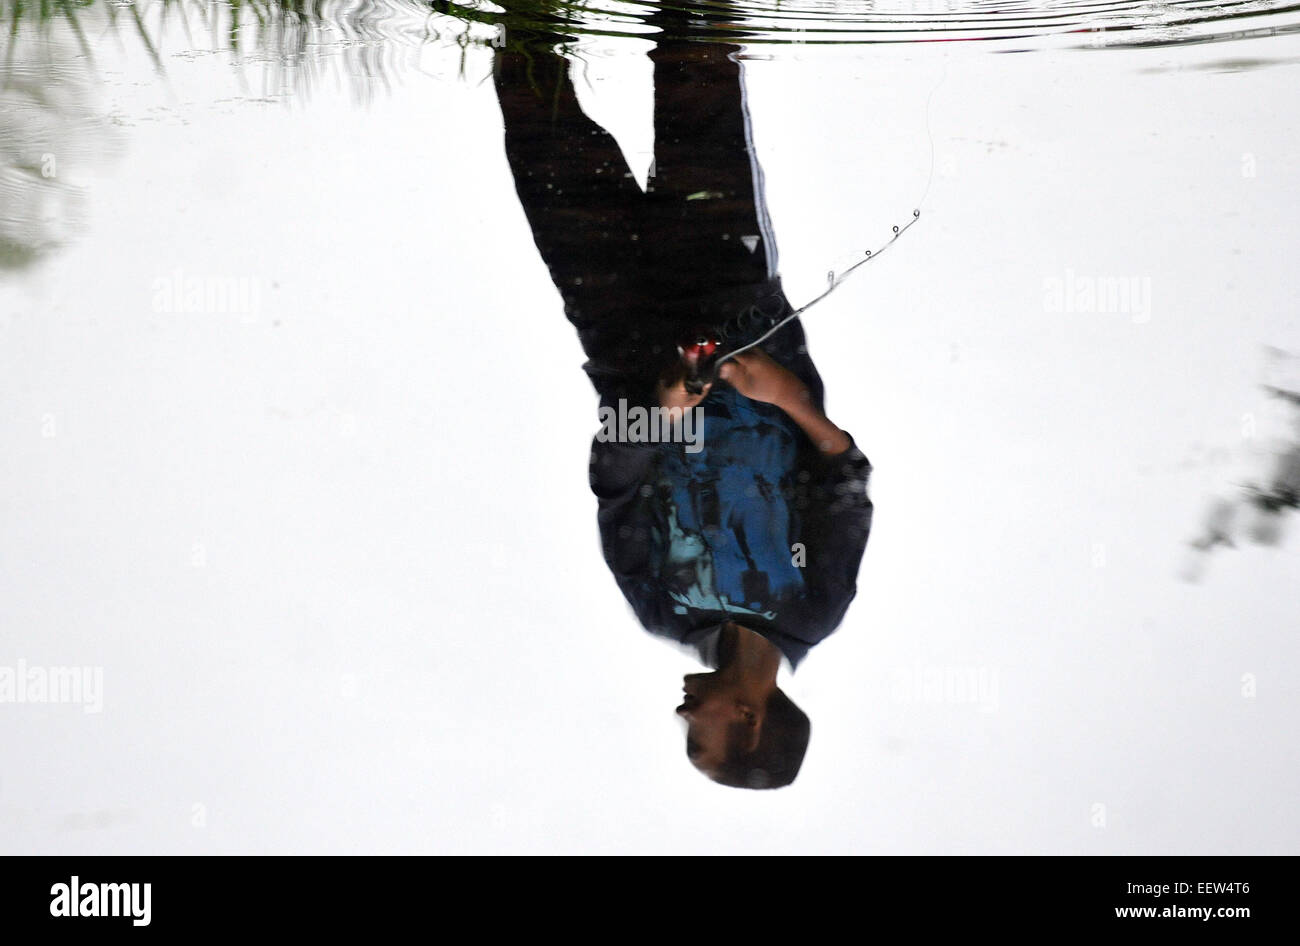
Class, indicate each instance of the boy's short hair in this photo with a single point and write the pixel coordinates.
(782, 744)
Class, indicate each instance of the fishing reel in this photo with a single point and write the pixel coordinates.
(704, 350)
(700, 361)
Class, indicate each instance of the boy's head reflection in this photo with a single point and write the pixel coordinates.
(742, 730)
(743, 544)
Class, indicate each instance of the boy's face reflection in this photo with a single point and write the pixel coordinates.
(717, 714)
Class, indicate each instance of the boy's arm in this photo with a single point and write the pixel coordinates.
(758, 377)
(835, 515)
(829, 440)
(621, 478)
(830, 490)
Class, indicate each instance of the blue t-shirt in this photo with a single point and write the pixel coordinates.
(724, 542)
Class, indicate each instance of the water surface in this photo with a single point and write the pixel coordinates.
(296, 433)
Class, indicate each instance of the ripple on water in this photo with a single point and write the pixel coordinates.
(1019, 23)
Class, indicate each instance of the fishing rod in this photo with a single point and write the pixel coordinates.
(707, 353)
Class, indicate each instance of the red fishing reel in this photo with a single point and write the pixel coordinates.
(698, 357)
(703, 347)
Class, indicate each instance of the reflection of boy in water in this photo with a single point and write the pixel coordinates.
(749, 549)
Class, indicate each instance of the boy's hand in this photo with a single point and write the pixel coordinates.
(757, 376)
(672, 392)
